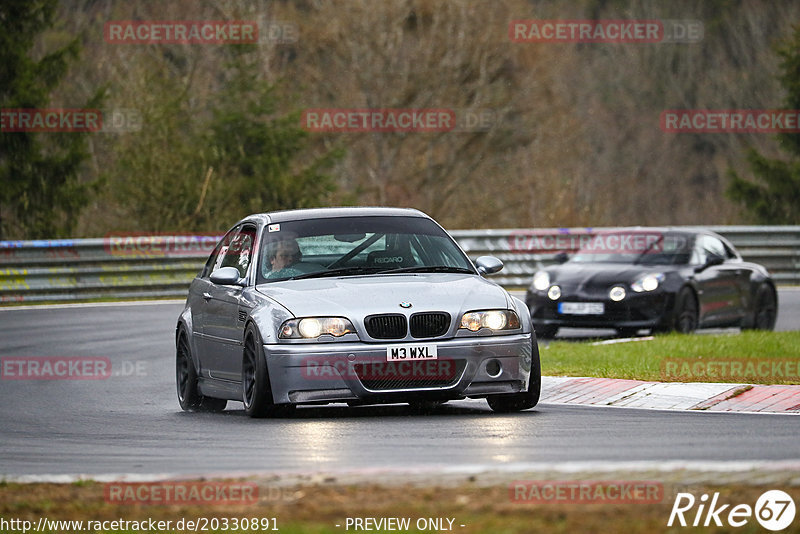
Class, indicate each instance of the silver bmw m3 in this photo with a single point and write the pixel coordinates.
(350, 305)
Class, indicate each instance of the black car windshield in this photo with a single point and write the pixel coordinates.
(640, 247)
(350, 246)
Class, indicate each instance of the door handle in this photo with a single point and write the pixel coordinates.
(207, 296)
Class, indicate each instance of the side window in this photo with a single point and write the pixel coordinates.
(239, 251)
(699, 254)
(215, 259)
(729, 253)
(712, 245)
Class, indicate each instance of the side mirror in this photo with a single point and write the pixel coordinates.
(711, 260)
(226, 276)
(488, 265)
(561, 257)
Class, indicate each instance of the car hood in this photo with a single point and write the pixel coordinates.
(358, 296)
(601, 274)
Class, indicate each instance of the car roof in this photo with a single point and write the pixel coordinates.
(327, 213)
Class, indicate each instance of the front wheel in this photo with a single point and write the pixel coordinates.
(685, 312)
(256, 390)
(516, 402)
(189, 397)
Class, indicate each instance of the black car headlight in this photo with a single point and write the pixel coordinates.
(495, 320)
(541, 280)
(313, 327)
(647, 282)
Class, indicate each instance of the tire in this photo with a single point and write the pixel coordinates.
(516, 402)
(256, 390)
(189, 397)
(765, 311)
(685, 316)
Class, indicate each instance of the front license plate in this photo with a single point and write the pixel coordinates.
(405, 353)
(581, 308)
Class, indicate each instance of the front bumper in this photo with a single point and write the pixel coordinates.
(636, 310)
(359, 372)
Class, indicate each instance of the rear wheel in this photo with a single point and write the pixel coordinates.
(189, 397)
(766, 309)
(685, 312)
(516, 402)
(256, 390)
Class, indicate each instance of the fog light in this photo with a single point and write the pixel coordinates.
(493, 368)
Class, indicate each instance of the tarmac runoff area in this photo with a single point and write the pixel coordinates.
(708, 397)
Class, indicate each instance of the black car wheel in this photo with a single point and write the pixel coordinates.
(766, 309)
(256, 390)
(189, 397)
(527, 399)
(686, 312)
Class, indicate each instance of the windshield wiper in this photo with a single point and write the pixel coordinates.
(647, 250)
(342, 271)
(430, 269)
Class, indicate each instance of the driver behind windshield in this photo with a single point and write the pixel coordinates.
(283, 259)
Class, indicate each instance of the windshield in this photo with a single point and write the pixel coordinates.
(349, 246)
(640, 248)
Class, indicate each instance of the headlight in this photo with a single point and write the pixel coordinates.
(554, 293)
(541, 280)
(617, 293)
(313, 327)
(491, 319)
(647, 282)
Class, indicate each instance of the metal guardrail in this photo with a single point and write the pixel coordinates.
(145, 266)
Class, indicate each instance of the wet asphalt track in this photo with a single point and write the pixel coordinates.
(131, 422)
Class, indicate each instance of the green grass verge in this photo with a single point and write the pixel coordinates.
(749, 357)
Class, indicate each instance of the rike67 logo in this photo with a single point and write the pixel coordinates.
(774, 510)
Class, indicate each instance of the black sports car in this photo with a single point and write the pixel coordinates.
(652, 278)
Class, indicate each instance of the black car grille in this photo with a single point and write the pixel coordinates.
(432, 324)
(390, 326)
(386, 376)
